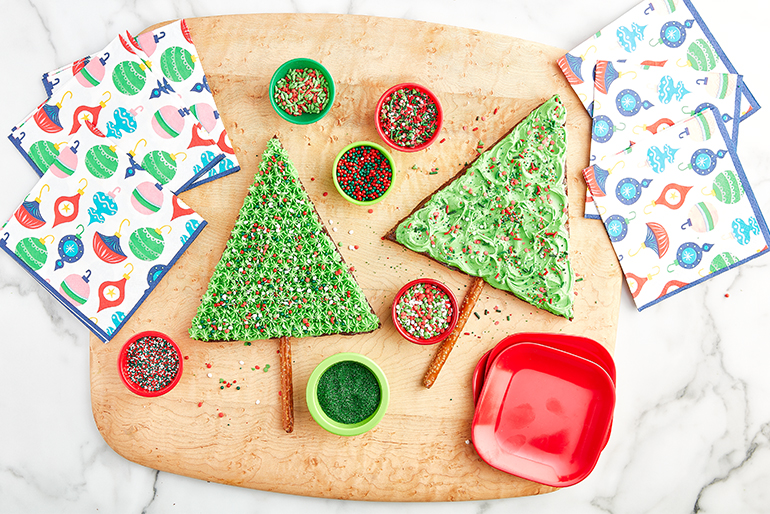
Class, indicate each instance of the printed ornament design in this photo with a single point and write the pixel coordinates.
(76, 289)
(33, 251)
(70, 248)
(122, 106)
(177, 64)
(107, 247)
(692, 224)
(649, 99)
(104, 205)
(28, 214)
(179, 75)
(653, 33)
(129, 77)
(65, 163)
(66, 208)
(102, 161)
(147, 244)
(103, 259)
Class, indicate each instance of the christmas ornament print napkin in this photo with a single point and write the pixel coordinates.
(631, 102)
(172, 52)
(118, 95)
(99, 241)
(653, 32)
(678, 208)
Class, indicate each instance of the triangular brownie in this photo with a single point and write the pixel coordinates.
(280, 274)
(504, 217)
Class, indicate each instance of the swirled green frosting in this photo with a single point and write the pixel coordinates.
(280, 273)
(505, 218)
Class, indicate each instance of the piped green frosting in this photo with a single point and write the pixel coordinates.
(505, 218)
(280, 273)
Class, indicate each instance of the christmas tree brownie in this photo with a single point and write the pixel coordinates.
(280, 274)
(503, 218)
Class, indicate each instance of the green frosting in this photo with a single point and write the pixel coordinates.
(280, 273)
(505, 218)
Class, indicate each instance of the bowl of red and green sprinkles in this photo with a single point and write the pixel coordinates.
(408, 117)
(364, 173)
(301, 91)
(347, 394)
(150, 364)
(425, 311)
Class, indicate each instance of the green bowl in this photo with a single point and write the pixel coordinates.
(302, 119)
(335, 427)
(384, 152)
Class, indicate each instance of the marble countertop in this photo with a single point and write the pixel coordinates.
(692, 423)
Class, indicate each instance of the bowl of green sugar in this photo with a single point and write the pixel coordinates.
(347, 394)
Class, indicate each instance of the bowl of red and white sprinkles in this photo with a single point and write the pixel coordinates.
(425, 311)
(408, 117)
(150, 364)
(364, 173)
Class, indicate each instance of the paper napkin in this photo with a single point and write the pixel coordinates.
(632, 102)
(172, 52)
(116, 94)
(655, 31)
(97, 240)
(678, 208)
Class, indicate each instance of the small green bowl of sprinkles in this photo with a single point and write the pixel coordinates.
(364, 173)
(150, 364)
(425, 311)
(301, 91)
(408, 117)
(347, 394)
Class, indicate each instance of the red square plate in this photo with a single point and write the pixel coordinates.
(543, 414)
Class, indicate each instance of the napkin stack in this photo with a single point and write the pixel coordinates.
(123, 131)
(664, 175)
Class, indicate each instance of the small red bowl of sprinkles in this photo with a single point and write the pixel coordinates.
(408, 117)
(425, 311)
(150, 364)
(364, 173)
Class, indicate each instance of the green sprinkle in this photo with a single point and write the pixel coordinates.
(477, 315)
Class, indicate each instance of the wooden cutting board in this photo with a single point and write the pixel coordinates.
(420, 451)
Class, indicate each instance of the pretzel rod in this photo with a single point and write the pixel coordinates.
(471, 297)
(287, 389)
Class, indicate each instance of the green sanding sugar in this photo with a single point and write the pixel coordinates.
(348, 392)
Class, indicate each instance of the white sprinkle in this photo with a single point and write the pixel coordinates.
(240, 362)
(350, 232)
(209, 375)
(351, 247)
(466, 441)
(257, 402)
(334, 229)
(331, 222)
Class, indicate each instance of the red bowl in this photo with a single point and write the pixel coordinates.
(123, 359)
(439, 115)
(452, 322)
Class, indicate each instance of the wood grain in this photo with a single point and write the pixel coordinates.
(420, 451)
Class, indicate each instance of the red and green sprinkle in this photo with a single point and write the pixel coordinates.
(302, 91)
(408, 117)
(424, 311)
(152, 363)
(364, 173)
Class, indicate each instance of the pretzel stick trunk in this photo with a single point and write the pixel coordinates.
(287, 389)
(471, 297)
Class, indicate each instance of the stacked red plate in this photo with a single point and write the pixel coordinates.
(544, 406)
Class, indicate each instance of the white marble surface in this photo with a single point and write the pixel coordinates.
(692, 425)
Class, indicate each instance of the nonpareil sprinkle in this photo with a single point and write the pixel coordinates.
(152, 363)
(364, 173)
(408, 117)
(302, 91)
(424, 311)
(348, 392)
